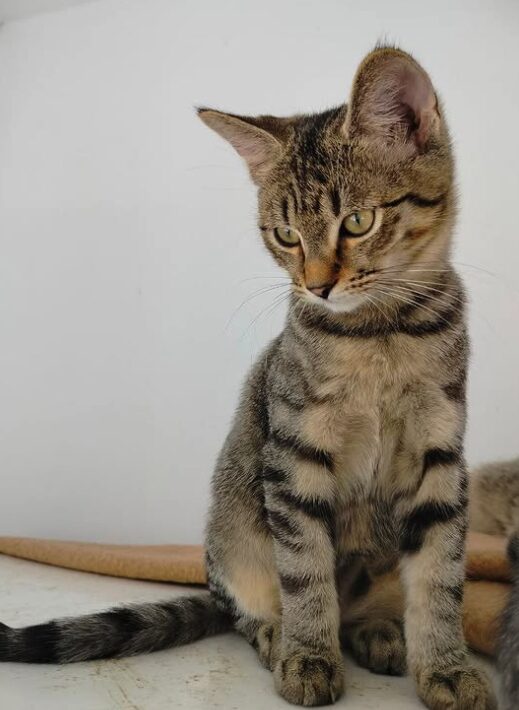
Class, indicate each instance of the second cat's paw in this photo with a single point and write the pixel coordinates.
(378, 645)
(308, 679)
(458, 688)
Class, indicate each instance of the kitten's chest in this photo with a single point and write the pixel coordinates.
(366, 428)
(363, 422)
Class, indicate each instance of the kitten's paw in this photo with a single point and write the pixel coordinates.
(267, 643)
(458, 688)
(378, 645)
(306, 678)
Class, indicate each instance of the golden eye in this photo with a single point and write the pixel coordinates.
(358, 223)
(286, 237)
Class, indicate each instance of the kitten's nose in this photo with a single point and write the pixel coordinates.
(322, 291)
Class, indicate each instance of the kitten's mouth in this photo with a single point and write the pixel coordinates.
(343, 296)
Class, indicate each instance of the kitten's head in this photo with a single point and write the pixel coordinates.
(354, 199)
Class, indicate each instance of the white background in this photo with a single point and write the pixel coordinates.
(127, 230)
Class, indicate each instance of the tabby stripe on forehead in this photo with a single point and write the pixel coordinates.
(416, 200)
(305, 451)
(336, 201)
(284, 209)
(293, 198)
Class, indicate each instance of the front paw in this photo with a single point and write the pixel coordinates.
(456, 688)
(309, 679)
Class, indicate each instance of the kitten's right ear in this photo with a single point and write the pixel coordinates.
(393, 103)
(254, 139)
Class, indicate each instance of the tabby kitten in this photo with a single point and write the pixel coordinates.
(345, 457)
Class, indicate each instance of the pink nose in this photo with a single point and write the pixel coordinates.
(322, 291)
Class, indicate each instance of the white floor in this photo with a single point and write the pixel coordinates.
(221, 672)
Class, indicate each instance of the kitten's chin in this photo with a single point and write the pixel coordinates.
(345, 303)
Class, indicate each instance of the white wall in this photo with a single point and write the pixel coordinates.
(16, 9)
(126, 229)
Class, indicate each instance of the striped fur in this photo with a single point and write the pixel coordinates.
(345, 458)
(124, 631)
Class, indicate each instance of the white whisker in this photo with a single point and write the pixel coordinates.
(280, 298)
(413, 302)
(256, 294)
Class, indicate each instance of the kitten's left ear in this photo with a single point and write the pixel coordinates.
(393, 102)
(259, 140)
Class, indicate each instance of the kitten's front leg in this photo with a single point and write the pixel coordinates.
(433, 540)
(299, 491)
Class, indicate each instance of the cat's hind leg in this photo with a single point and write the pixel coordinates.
(248, 587)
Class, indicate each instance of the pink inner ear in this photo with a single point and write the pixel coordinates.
(255, 151)
(418, 94)
(400, 104)
(258, 148)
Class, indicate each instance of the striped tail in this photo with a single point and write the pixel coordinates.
(124, 631)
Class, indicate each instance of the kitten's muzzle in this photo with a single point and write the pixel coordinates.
(323, 291)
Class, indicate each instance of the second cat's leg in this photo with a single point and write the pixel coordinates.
(299, 497)
(245, 582)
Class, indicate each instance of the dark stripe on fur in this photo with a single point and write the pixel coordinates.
(274, 475)
(417, 523)
(285, 530)
(454, 591)
(281, 524)
(439, 457)
(445, 321)
(305, 451)
(322, 322)
(335, 199)
(116, 633)
(320, 510)
(292, 584)
(416, 200)
(295, 198)
(455, 391)
(284, 209)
